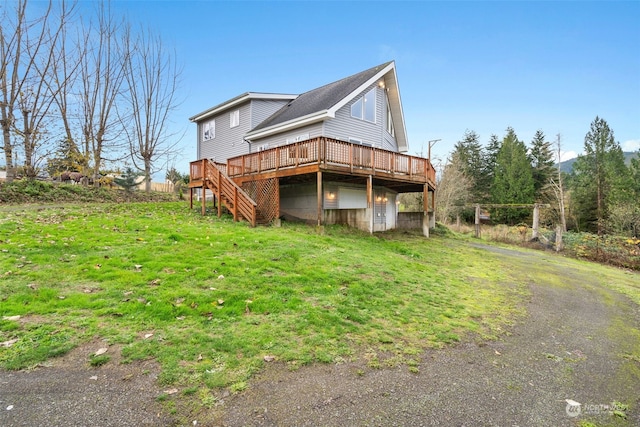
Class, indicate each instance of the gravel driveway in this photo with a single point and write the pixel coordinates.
(578, 342)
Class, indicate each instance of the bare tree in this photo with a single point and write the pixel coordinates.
(61, 78)
(14, 71)
(102, 76)
(558, 189)
(454, 189)
(36, 99)
(152, 79)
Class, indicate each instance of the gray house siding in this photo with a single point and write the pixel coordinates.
(305, 132)
(228, 141)
(343, 126)
(263, 108)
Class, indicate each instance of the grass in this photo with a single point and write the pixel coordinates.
(32, 191)
(209, 298)
(618, 251)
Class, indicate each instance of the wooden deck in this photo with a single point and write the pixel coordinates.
(259, 173)
(331, 155)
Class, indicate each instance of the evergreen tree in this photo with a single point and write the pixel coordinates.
(490, 156)
(634, 170)
(600, 177)
(129, 180)
(469, 153)
(513, 180)
(66, 158)
(542, 162)
(624, 212)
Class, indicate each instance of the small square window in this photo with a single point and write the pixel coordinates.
(234, 118)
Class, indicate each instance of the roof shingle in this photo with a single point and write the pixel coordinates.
(319, 99)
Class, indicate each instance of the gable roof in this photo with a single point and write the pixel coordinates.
(237, 101)
(322, 103)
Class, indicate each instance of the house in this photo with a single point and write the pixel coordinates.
(334, 154)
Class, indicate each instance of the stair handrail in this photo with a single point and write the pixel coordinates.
(243, 203)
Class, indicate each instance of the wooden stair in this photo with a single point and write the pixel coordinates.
(206, 174)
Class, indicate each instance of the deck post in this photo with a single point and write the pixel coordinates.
(370, 207)
(277, 200)
(235, 203)
(433, 209)
(320, 198)
(373, 160)
(219, 194)
(425, 208)
(204, 198)
(190, 198)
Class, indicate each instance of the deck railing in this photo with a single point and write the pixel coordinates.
(213, 176)
(330, 151)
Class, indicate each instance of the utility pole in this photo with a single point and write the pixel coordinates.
(431, 143)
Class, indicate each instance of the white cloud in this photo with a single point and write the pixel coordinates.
(567, 155)
(631, 145)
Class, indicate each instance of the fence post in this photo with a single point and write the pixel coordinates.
(536, 221)
(559, 245)
(478, 221)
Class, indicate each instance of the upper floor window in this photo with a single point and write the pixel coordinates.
(390, 127)
(234, 118)
(365, 107)
(209, 130)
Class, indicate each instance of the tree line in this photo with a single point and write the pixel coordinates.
(600, 195)
(81, 93)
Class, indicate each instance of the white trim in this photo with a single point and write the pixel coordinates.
(239, 100)
(291, 124)
(361, 88)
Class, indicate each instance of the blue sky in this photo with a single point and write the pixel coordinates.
(481, 66)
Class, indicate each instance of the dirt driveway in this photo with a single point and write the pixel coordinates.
(579, 342)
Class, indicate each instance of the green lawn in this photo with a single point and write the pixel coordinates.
(209, 298)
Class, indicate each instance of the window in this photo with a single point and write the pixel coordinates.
(356, 109)
(234, 118)
(390, 127)
(365, 107)
(209, 130)
(370, 106)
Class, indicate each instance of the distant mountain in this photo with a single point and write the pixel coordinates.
(567, 165)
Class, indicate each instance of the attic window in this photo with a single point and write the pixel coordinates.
(365, 107)
(234, 118)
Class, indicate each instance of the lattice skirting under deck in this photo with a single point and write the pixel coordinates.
(265, 193)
